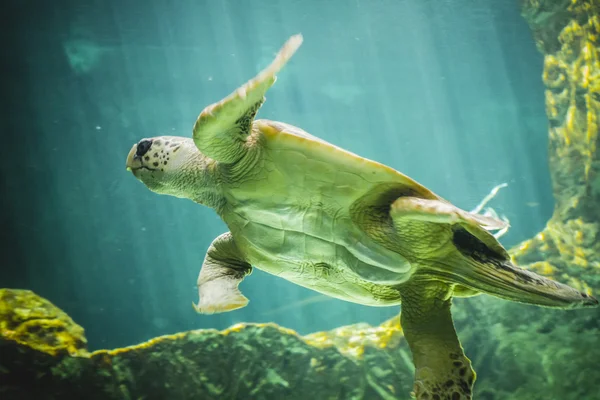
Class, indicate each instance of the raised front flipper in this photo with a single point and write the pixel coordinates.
(442, 371)
(223, 269)
(221, 129)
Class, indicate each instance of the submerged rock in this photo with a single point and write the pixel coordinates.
(27, 319)
(246, 361)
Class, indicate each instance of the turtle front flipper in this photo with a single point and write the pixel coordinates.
(223, 269)
(221, 129)
(442, 371)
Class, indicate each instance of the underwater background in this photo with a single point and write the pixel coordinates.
(448, 92)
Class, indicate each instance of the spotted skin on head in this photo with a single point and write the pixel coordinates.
(160, 153)
(173, 166)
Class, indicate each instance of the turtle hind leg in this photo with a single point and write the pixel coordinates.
(442, 371)
(222, 271)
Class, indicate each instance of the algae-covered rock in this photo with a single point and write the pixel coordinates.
(34, 321)
(246, 361)
(35, 336)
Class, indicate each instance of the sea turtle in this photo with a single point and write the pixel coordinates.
(307, 211)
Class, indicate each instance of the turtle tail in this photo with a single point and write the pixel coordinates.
(501, 278)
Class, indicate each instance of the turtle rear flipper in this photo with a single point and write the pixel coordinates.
(480, 269)
(475, 259)
(442, 371)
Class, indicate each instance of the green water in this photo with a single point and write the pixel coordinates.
(448, 92)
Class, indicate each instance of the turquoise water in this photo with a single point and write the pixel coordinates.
(448, 92)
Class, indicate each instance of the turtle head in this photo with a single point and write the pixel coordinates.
(173, 166)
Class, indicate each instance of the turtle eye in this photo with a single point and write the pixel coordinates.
(143, 147)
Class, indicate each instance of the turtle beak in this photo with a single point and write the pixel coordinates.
(138, 150)
(133, 161)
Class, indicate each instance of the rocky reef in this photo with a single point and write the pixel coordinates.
(520, 352)
(43, 356)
